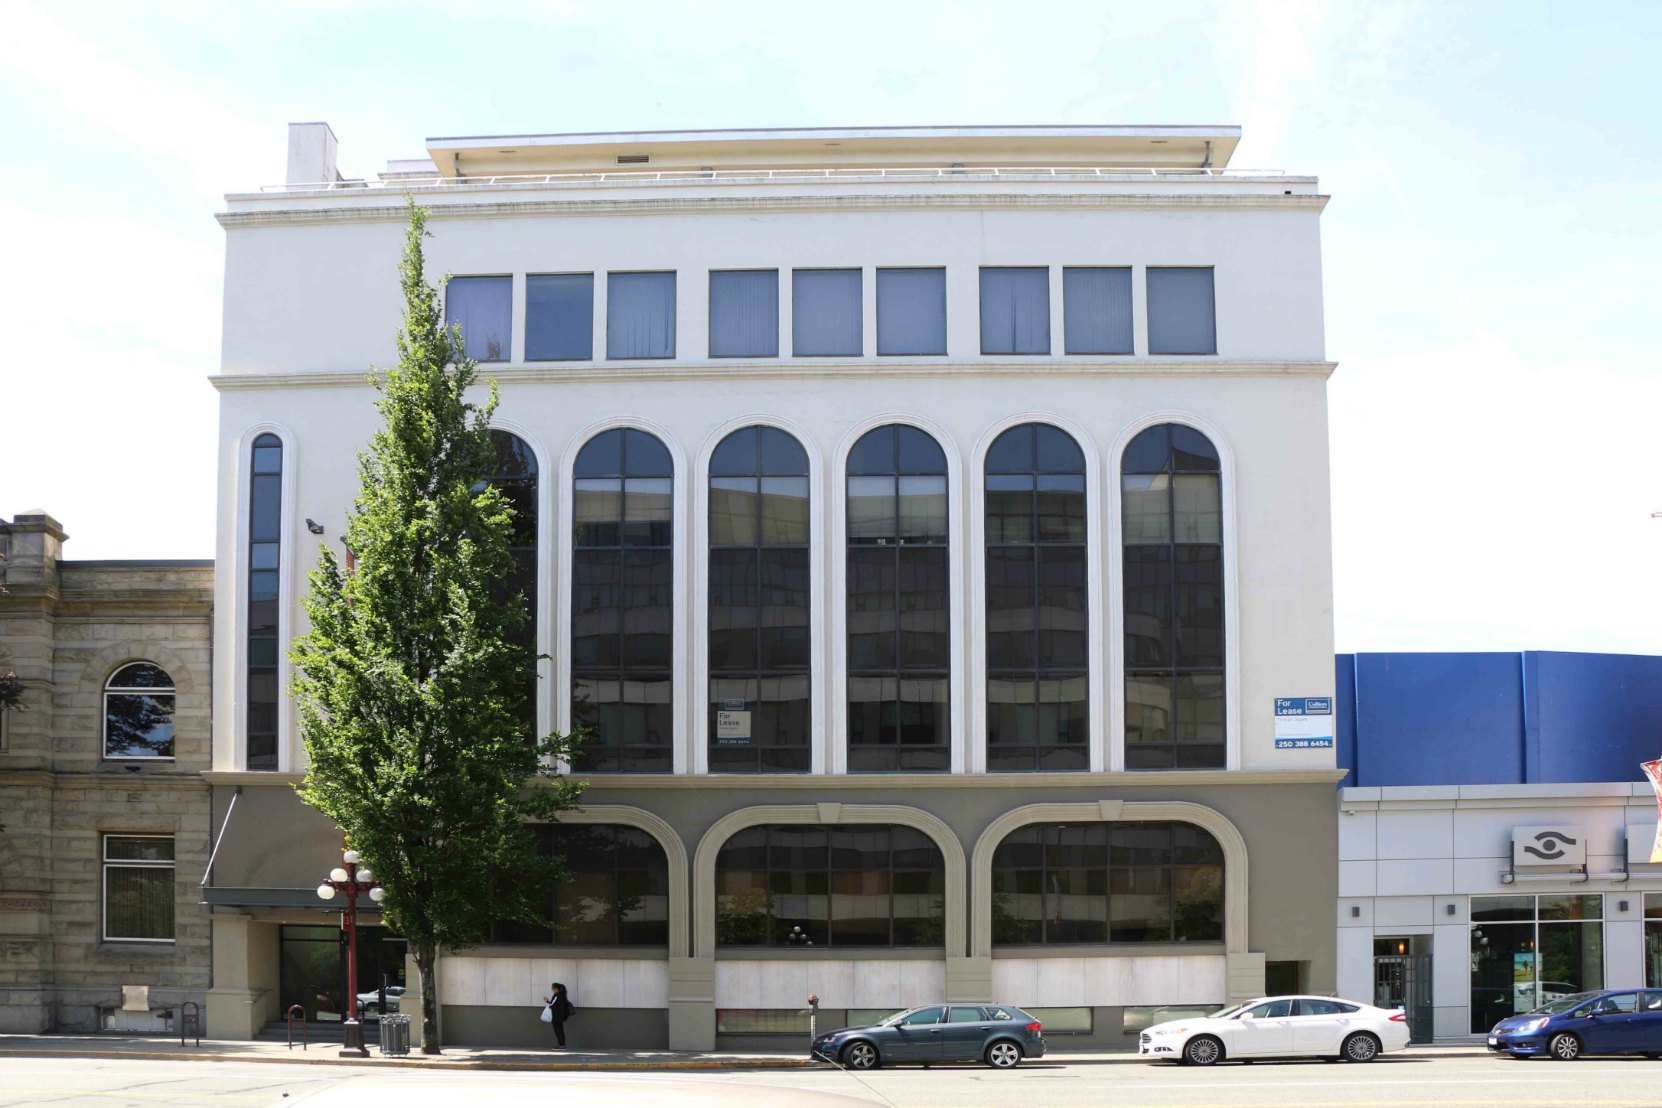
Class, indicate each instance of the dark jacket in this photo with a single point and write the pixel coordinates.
(561, 1005)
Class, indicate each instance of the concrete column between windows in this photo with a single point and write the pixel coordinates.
(692, 1003)
(244, 997)
(1243, 975)
(970, 980)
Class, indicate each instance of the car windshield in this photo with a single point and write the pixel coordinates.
(1223, 1012)
(1564, 1003)
(895, 1017)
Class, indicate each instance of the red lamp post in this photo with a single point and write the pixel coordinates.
(351, 880)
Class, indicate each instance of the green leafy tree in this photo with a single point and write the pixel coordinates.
(412, 684)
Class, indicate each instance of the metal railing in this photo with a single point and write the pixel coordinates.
(750, 176)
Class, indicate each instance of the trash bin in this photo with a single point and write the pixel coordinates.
(395, 1034)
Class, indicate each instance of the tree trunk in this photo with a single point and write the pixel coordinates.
(425, 955)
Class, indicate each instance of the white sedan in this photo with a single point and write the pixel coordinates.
(1279, 1027)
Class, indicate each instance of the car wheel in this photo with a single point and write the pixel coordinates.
(861, 1056)
(1564, 1047)
(1002, 1055)
(1361, 1047)
(1202, 1050)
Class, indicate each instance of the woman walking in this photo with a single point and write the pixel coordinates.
(558, 1011)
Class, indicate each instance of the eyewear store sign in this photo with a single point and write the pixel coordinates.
(733, 723)
(1560, 845)
(1303, 722)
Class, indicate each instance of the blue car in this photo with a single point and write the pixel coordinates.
(1611, 1021)
(1000, 1035)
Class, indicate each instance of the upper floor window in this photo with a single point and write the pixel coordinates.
(1174, 627)
(265, 531)
(622, 588)
(483, 308)
(1108, 883)
(759, 719)
(138, 887)
(744, 313)
(911, 311)
(138, 712)
(1181, 317)
(516, 479)
(616, 894)
(640, 315)
(1037, 615)
(1096, 310)
(812, 886)
(827, 316)
(1015, 310)
(559, 317)
(898, 585)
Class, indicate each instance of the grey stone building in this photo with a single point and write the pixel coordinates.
(104, 809)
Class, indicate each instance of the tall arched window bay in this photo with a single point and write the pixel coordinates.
(898, 595)
(1037, 612)
(758, 717)
(622, 588)
(1171, 485)
(516, 478)
(265, 538)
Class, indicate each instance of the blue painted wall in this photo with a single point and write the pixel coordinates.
(1538, 717)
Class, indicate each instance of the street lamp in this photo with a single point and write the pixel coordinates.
(351, 880)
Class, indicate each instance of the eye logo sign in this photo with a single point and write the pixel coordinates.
(1553, 848)
(1549, 846)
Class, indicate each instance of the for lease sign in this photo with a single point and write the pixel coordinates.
(1303, 722)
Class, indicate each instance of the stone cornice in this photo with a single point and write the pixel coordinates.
(728, 205)
(1161, 779)
(553, 373)
(110, 779)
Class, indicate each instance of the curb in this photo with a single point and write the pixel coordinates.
(411, 1062)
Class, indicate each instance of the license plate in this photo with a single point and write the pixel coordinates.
(1493, 1041)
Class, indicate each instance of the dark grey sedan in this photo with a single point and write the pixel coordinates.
(1000, 1035)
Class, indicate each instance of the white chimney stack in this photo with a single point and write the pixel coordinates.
(311, 154)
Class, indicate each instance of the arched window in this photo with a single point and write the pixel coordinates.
(1037, 617)
(516, 477)
(848, 885)
(617, 893)
(899, 642)
(138, 712)
(265, 537)
(1174, 633)
(622, 582)
(1057, 883)
(758, 711)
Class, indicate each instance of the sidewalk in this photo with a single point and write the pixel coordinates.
(485, 1058)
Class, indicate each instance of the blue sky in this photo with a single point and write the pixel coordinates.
(1490, 252)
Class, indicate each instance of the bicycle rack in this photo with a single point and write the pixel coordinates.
(296, 1009)
(190, 1015)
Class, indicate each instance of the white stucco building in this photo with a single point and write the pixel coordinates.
(955, 497)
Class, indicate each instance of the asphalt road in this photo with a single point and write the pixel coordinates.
(1464, 1082)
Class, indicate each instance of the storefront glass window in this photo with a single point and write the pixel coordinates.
(1527, 950)
(1653, 940)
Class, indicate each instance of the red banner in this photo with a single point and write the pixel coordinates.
(1653, 770)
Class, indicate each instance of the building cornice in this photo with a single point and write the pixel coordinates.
(558, 372)
(730, 205)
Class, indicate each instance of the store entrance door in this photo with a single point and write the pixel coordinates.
(1402, 979)
(313, 971)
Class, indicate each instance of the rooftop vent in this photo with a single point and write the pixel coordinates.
(633, 159)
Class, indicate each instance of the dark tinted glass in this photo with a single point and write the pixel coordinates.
(622, 602)
(617, 893)
(265, 530)
(898, 596)
(141, 675)
(857, 885)
(559, 317)
(758, 714)
(1036, 601)
(1098, 882)
(1172, 527)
